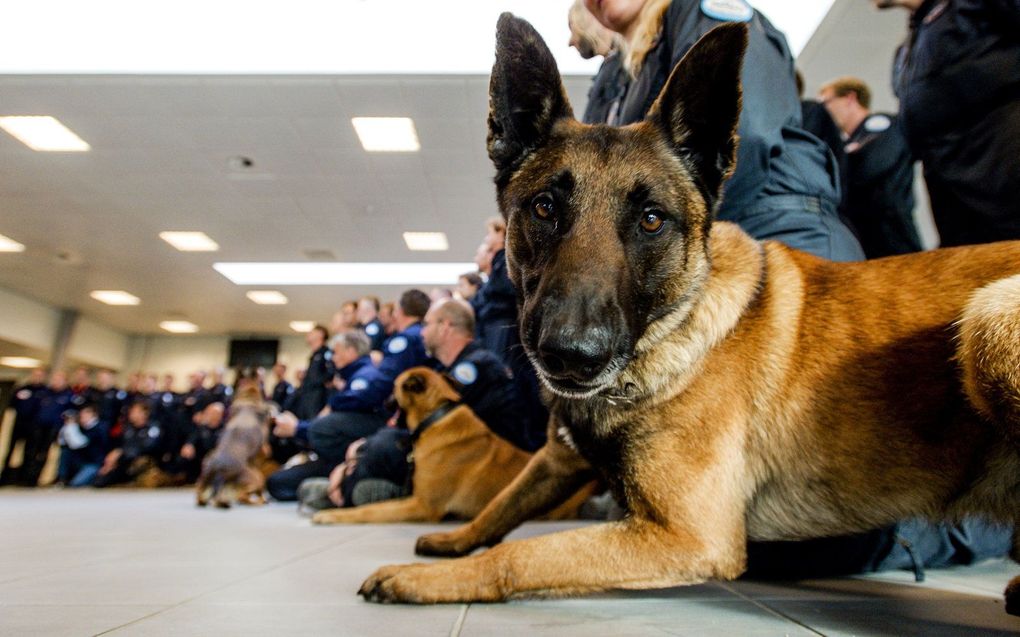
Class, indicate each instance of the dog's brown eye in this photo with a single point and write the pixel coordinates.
(651, 223)
(543, 207)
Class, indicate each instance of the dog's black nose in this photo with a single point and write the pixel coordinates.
(581, 359)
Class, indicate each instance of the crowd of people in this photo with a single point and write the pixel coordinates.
(827, 176)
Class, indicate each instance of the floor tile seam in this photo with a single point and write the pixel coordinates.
(225, 586)
(772, 611)
(458, 625)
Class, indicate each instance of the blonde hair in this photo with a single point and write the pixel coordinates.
(647, 33)
(843, 86)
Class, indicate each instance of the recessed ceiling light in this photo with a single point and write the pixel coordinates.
(344, 273)
(21, 362)
(179, 327)
(10, 245)
(115, 297)
(302, 326)
(267, 297)
(426, 241)
(387, 134)
(42, 132)
(190, 241)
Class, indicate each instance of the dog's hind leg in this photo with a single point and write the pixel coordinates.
(249, 487)
(552, 475)
(989, 354)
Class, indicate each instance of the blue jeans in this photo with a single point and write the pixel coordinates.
(85, 476)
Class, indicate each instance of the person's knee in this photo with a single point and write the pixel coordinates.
(281, 486)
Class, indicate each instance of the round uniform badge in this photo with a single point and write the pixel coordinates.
(328, 354)
(154, 432)
(465, 373)
(371, 329)
(877, 123)
(121, 395)
(24, 394)
(359, 384)
(727, 10)
(397, 344)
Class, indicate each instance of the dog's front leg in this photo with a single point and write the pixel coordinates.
(403, 510)
(632, 553)
(552, 475)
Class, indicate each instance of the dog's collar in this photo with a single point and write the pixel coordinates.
(433, 418)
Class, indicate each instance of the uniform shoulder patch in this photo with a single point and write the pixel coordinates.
(465, 373)
(727, 10)
(371, 329)
(397, 344)
(24, 394)
(877, 123)
(359, 384)
(328, 354)
(154, 431)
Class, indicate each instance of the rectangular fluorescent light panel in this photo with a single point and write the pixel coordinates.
(10, 245)
(426, 241)
(267, 297)
(115, 297)
(344, 273)
(387, 134)
(302, 326)
(190, 241)
(179, 327)
(44, 133)
(21, 362)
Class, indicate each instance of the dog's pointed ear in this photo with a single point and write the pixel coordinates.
(699, 107)
(413, 384)
(526, 95)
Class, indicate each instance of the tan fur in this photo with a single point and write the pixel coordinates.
(231, 472)
(460, 464)
(770, 395)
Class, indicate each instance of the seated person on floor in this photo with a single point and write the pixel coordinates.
(484, 382)
(357, 411)
(202, 439)
(140, 448)
(84, 441)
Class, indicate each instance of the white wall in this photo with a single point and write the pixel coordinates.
(182, 355)
(97, 345)
(27, 322)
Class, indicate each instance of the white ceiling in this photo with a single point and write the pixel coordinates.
(161, 146)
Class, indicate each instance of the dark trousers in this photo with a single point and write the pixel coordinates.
(9, 474)
(330, 435)
(283, 485)
(37, 449)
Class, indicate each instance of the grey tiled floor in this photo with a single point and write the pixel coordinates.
(150, 563)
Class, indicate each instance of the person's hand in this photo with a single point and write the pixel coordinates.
(286, 425)
(188, 451)
(336, 478)
(339, 384)
(110, 461)
(352, 451)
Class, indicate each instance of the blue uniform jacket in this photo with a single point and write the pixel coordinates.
(52, 407)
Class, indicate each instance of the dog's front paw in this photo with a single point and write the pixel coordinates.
(444, 583)
(453, 544)
(329, 516)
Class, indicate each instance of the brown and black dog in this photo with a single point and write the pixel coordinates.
(230, 472)
(459, 463)
(726, 389)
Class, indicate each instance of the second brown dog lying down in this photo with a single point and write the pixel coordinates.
(229, 472)
(459, 463)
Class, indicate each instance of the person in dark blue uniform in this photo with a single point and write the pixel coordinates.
(25, 403)
(110, 400)
(958, 80)
(283, 389)
(368, 318)
(142, 440)
(485, 384)
(54, 403)
(84, 442)
(311, 396)
(357, 411)
(785, 186)
(880, 171)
